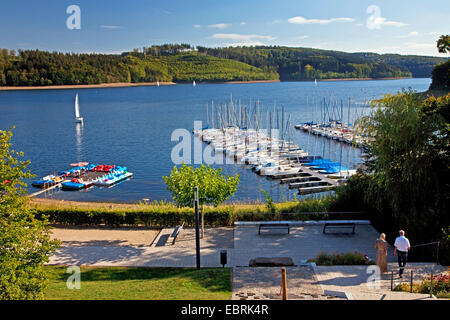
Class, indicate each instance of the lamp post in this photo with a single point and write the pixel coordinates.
(197, 228)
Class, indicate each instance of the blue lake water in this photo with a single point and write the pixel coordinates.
(133, 126)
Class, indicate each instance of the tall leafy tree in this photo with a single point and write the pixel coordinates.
(405, 183)
(443, 44)
(25, 243)
(213, 186)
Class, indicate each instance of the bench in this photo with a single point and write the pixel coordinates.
(273, 226)
(345, 225)
(176, 232)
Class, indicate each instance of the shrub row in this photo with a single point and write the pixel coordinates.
(157, 215)
(174, 216)
(348, 258)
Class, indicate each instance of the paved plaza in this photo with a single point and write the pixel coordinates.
(243, 243)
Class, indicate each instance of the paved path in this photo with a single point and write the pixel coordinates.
(303, 243)
(264, 283)
(353, 280)
(243, 244)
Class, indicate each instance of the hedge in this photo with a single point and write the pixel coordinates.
(154, 218)
(170, 215)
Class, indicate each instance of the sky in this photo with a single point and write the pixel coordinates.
(400, 26)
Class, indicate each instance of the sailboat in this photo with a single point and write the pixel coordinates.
(315, 82)
(157, 83)
(78, 119)
(194, 84)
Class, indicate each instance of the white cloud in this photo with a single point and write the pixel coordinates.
(302, 20)
(110, 27)
(244, 44)
(409, 35)
(376, 21)
(219, 25)
(241, 37)
(243, 23)
(301, 37)
(197, 26)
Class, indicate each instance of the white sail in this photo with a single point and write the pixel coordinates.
(78, 118)
(194, 84)
(77, 107)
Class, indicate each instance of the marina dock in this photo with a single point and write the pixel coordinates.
(310, 181)
(267, 147)
(44, 190)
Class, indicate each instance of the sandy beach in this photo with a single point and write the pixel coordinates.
(86, 86)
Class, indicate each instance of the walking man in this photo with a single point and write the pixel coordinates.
(401, 247)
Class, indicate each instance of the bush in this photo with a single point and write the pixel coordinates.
(349, 258)
(161, 214)
(166, 215)
(441, 286)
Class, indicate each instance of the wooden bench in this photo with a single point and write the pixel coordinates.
(176, 232)
(273, 226)
(345, 225)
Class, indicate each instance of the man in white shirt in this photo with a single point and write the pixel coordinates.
(401, 247)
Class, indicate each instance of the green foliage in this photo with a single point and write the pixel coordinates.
(404, 182)
(269, 201)
(441, 286)
(213, 187)
(180, 63)
(151, 216)
(159, 214)
(443, 44)
(25, 243)
(444, 247)
(306, 63)
(441, 72)
(39, 68)
(349, 258)
(440, 76)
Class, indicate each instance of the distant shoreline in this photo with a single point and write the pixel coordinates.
(364, 79)
(252, 81)
(126, 84)
(85, 86)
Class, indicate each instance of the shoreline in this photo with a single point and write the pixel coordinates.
(365, 79)
(85, 86)
(125, 84)
(251, 81)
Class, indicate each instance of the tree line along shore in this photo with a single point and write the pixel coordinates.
(168, 64)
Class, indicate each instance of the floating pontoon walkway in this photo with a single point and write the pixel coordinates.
(308, 180)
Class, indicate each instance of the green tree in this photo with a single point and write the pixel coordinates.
(213, 186)
(25, 244)
(443, 44)
(404, 182)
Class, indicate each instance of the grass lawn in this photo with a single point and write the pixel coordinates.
(120, 283)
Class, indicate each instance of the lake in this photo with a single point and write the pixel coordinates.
(133, 126)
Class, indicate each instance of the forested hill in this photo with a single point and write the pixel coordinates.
(181, 63)
(39, 68)
(307, 63)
